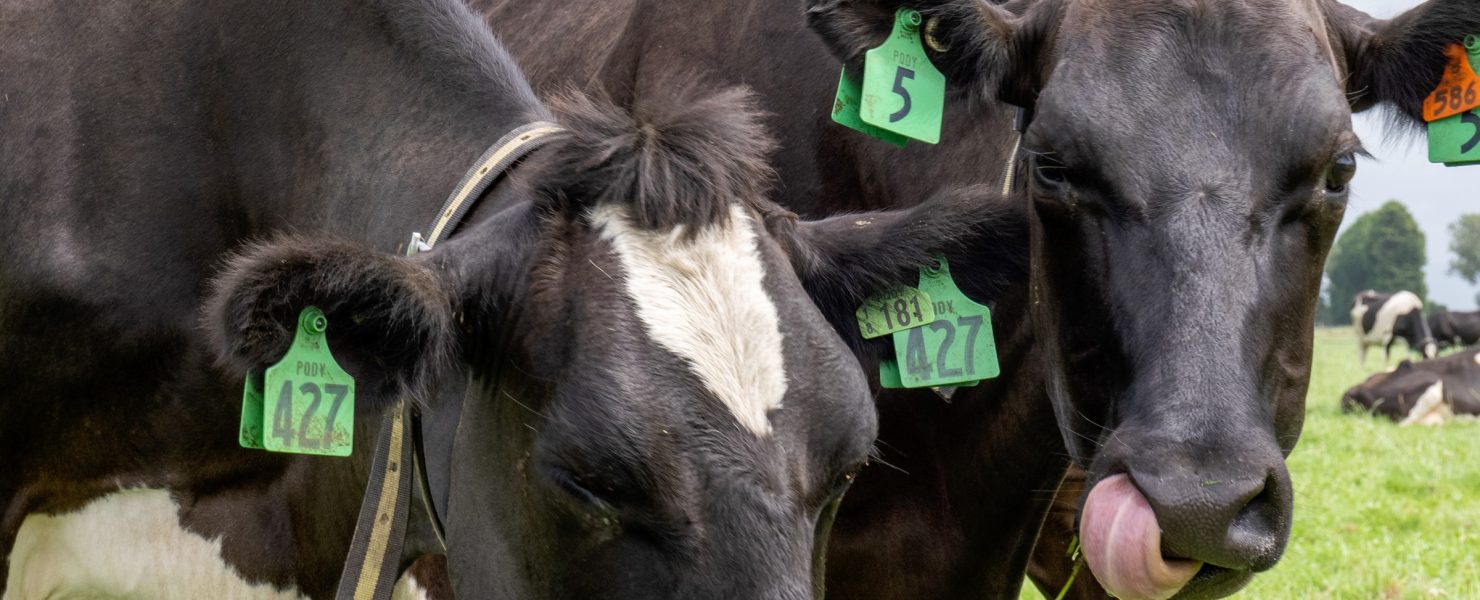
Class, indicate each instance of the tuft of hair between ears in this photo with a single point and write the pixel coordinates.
(390, 318)
(681, 161)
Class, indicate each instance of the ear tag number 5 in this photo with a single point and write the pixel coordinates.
(903, 92)
(307, 402)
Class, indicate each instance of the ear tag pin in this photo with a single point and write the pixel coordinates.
(1453, 109)
(309, 398)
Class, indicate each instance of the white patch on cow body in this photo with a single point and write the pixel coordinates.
(408, 588)
(704, 299)
(1387, 315)
(1430, 408)
(128, 544)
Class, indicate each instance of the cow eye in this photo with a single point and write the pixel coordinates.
(1049, 173)
(845, 479)
(1341, 173)
(571, 484)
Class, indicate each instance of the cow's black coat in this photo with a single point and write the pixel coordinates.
(1188, 170)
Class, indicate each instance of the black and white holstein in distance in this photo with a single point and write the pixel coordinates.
(1382, 319)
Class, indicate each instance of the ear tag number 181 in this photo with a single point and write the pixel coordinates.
(1454, 119)
(956, 348)
(903, 92)
(305, 404)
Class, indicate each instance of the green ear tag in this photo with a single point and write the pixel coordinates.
(902, 91)
(251, 430)
(957, 347)
(889, 374)
(898, 309)
(310, 400)
(845, 111)
(1455, 140)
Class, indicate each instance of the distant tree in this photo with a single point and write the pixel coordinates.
(1383, 250)
(1465, 244)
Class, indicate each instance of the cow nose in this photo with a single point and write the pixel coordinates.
(1236, 520)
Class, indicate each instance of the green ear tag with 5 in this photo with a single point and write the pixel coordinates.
(845, 111)
(957, 347)
(308, 401)
(902, 91)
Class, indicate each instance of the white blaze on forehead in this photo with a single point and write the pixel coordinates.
(703, 299)
(128, 544)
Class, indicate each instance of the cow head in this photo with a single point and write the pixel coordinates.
(1189, 164)
(657, 405)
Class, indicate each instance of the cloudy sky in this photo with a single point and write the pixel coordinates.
(1436, 195)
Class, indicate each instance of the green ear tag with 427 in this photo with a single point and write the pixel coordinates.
(307, 401)
(902, 91)
(957, 347)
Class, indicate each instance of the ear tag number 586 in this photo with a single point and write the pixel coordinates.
(903, 92)
(306, 402)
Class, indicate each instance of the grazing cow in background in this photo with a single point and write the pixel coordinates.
(1428, 392)
(655, 406)
(1382, 319)
(1455, 328)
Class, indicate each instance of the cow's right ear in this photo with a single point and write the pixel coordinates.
(843, 260)
(1398, 62)
(980, 47)
(390, 318)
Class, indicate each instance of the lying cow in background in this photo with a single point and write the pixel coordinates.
(1458, 329)
(1382, 319)
(1427, 392)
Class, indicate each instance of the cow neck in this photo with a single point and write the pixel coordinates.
(375, 555)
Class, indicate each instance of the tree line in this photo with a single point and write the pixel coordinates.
(1383, 250)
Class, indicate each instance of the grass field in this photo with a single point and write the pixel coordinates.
(1380, 511)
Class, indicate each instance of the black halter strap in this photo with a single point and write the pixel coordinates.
(373, 564)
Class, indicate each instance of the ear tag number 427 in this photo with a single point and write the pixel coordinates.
(903, 94)
(1453, 109)
(304, 404)
(955, 348)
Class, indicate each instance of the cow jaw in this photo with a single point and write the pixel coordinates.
(1122, 543)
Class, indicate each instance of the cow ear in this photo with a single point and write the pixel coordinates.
(1399, 62)
(389, 318)
(842, 260)
(979, 46)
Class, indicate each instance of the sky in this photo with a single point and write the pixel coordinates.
(1400, 169)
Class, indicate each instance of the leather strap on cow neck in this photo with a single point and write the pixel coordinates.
(374, 561)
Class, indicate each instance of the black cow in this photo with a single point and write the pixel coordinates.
(1455, 328)
(1381, 319)
(1186, 167)
(653, 406)
(1429, 392)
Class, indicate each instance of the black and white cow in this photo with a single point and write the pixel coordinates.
(1455, 328)
(1381, 319)
(654, 406)
(1429, 392)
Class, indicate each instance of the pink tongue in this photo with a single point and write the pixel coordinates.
(1122, 543)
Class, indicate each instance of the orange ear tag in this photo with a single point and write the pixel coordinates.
(1458, 91)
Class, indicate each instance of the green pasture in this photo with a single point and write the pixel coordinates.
(1380, 511)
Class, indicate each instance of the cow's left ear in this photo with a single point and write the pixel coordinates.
(981, 47)
(1399, 62)
(842, 260)
(389, 317)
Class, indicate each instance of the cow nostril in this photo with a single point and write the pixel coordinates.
(1258, 531)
